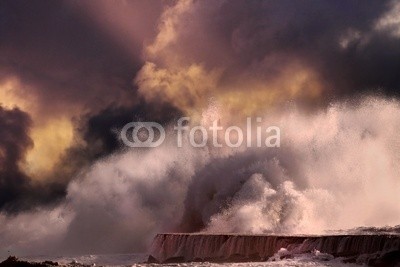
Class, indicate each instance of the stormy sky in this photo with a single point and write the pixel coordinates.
(72, 73)
(66, 85)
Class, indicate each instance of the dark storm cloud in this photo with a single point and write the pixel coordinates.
(14, 141)
(72, 67)
(101, 130)
(62, 55)
(17, 191)
(338, 39)
(314, 32)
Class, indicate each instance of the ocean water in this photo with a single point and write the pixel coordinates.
(119, 260)
(315, 258)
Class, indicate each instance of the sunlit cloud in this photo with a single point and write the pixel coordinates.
(51, 134)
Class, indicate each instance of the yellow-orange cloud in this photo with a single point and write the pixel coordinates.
(190, 89)
(171, 74)
(52, 134)
(51, 139)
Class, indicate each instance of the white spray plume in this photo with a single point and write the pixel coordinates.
(336, 169)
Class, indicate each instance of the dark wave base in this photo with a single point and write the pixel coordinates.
(371, 249)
